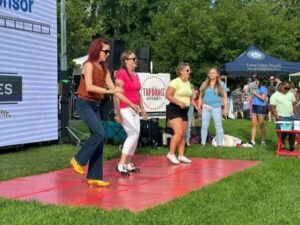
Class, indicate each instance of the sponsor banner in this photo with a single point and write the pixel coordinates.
(153, 93)
(28, 72)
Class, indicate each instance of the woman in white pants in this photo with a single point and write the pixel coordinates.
(127, 79)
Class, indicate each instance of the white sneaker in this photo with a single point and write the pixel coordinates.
(172, 158)
(122, 169)
(131, 168)
(184, 159)
(252, 143)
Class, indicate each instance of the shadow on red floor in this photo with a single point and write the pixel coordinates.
(157, 183)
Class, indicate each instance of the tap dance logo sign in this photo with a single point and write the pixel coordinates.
(153, 93)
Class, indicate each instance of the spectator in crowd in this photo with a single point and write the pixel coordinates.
(298, 104)
(95, 81)
(277, 81)
(271, 91)
(191, 115)
(283, 105)
(253, 85)
(258, 111)
(293, 89)
(211, 98)
(237, 99)
(179, 94)
(272, 82)
(127, 79)
(246, 90)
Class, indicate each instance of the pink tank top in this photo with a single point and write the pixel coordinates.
(131, 87)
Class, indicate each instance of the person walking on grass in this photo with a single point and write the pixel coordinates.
(212, 97)
(179, 94)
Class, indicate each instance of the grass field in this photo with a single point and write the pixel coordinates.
(265, 194)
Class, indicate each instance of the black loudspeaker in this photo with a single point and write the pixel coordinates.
(116, 49)
(144, 58)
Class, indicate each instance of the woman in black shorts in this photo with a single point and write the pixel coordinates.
(179, 94)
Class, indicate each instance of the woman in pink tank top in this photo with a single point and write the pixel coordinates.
(127, 79)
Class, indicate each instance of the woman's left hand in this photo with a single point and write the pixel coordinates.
(144, 115)
(118, 118)
(224, 113)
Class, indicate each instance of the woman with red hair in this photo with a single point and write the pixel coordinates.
(95, 81)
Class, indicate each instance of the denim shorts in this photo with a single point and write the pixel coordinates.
(258, 109)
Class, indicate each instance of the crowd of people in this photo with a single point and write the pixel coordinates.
(275, 98)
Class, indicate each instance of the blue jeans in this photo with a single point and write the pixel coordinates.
(216, 114)
(190, 116)
(92, 149)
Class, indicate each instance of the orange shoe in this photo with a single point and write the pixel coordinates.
(99, 183)
(76, 167)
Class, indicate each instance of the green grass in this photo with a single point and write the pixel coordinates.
(261, 195)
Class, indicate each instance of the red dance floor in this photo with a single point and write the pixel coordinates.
(158, 182)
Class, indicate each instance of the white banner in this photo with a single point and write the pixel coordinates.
(28, 72)
(153, 92)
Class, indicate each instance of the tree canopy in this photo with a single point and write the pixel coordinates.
(201, 32)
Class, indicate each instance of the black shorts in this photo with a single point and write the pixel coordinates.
(174, 111)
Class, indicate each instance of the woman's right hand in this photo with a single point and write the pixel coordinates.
(117, 90)
(182, 105)
(118, 118)
(136, 108)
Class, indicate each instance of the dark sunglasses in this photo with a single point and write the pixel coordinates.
(105, 51)
(133, 59)
(188, 70)
(286, 88)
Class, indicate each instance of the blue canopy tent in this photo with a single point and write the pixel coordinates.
(255, 61)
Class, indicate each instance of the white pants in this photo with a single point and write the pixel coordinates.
(131, 124)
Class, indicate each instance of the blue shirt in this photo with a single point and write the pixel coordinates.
(260, 91)
(212, 97)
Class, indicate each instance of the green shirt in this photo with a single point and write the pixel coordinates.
(283, 103)
(183, 90)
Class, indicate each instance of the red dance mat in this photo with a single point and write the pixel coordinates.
(158, 182)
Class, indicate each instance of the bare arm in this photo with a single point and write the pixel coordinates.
(170, 96)
(274, 112)
(90, 87)
(143, 112)
(224, 100)
(120, 84)
(260, 96)
(295, 108)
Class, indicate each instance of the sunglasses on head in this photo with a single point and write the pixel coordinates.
(105, 51)
(133, 59)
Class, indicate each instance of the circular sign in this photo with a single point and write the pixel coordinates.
(153, 92)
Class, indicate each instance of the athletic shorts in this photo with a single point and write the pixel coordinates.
(174, 111)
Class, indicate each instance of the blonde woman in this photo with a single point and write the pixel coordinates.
(211, 99)
(179, 94)
(127, 79)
